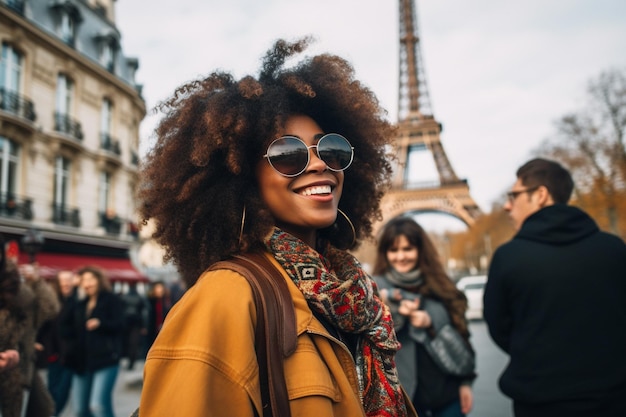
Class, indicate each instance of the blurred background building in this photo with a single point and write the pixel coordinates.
(70, 111)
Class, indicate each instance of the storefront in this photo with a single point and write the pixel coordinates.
(118, 270)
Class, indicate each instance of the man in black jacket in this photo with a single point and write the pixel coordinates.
(555, 301)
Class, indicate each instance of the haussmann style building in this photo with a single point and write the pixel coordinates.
(70, 111)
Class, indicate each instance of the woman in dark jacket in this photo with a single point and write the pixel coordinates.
(422, 300)
(158, 306)
(93, 329)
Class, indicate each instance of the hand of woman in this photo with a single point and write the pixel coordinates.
(420, 319)
(92, 324)
(407, 307)
(467, 398)
(8, 359)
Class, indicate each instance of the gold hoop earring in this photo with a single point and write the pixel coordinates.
(345, 216)
(243, 222)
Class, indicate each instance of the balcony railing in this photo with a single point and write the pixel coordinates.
(109, 144)
(15, 5)
(111, 223)
(13, 102)
(14, 207)
(65, 216)
(65, 124)
(115, 226)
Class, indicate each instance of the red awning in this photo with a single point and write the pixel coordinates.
(117, 269)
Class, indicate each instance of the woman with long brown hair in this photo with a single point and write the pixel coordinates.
(92, 327)
(422, 299)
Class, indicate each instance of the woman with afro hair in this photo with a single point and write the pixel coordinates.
(291, 164)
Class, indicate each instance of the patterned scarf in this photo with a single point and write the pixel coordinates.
(335, 285)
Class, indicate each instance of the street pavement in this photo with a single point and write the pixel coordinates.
(490, 362)
(488, 401)
(126, 394)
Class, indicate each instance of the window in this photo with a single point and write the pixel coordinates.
(10, 69)
(9, 161)
(16, 5)
(61, 182)
(109, 220)
(104, 188)
(67, 28)
(108, 43)
(107, 55)
(64, 102)
(106, 141)
(67, 17)
(63, 121)
(105, 123)
(65, 89)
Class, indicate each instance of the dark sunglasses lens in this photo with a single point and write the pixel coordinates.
(289, 156)
(335, 151)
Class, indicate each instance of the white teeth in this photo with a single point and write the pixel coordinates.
(320, 189)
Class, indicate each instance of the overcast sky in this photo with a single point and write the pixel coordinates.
(499, 72)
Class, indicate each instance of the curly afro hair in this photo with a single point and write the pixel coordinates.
(199, 176)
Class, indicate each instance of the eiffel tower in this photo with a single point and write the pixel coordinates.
(418, 132)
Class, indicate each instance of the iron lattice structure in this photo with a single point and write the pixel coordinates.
(413, 97)
(418, 130)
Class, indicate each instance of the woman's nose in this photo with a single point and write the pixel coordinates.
(315, 162)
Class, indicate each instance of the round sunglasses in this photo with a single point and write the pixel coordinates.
(290, 156)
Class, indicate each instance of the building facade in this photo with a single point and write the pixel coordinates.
(70, 111)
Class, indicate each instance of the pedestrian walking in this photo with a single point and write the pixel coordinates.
(287, 167)
(52, 355)
(159, 305)
(555, 301)
(135, 320)
(92, 327)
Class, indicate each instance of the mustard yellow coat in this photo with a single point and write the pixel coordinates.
(203, 362)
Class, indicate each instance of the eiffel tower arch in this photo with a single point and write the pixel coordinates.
(418, 132)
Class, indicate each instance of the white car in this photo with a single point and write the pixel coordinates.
(473, 286)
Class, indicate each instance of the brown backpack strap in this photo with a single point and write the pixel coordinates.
(275, 331)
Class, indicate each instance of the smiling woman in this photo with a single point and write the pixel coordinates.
(261, 167)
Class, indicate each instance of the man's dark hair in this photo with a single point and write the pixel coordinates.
(550, 174)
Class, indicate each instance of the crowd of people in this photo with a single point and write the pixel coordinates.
(78, 330)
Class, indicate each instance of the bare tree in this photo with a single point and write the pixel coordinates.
(591, 143)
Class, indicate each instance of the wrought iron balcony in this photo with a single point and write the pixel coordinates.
(65, 124)
(115, 226)
(15, 5)
(14, 207)
(109, 144)
(111, 223)
(65, 216)
(15, 103)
